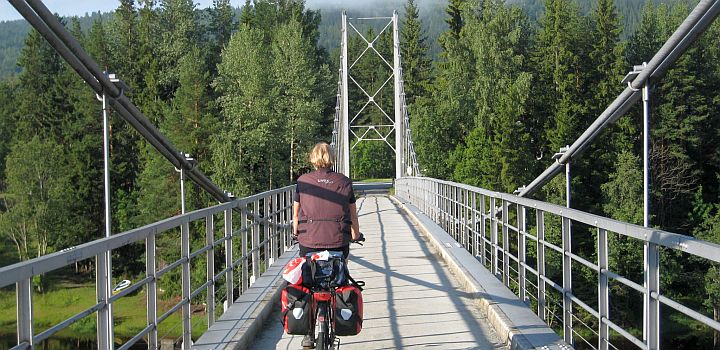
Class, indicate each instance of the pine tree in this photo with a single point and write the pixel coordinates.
(413, 49)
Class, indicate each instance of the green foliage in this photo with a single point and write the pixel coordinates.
(372, 159)
(413, 50)
(34, 200)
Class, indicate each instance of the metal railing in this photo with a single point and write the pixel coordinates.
(493, 226)
(259, 235)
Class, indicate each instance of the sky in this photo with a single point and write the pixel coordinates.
(80, 7)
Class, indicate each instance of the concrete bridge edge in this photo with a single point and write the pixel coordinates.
(512, 320)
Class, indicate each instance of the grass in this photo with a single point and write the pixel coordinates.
(373, 180)
(64, 301)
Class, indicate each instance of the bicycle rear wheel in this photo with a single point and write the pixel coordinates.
(322, 342)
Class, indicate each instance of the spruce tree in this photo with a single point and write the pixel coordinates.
(497, 149)
(179, 33)
(413, 49)
(455, 20)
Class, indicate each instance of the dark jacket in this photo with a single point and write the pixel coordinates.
(324, 218)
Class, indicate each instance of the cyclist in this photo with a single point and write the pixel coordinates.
(324, 211)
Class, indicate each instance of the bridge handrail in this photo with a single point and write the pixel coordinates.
(687, 244)
(466, 211)
(264, 216)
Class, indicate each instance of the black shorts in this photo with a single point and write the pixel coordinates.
(345, 250)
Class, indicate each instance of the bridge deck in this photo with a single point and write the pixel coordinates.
(411, 300)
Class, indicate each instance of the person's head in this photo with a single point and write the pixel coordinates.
(321, 156)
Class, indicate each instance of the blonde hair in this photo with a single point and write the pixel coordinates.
(321, 156)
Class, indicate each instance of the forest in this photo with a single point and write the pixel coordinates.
(494, 89)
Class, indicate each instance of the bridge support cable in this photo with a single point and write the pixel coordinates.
(689, 30)
(423, 193)
(35, 12)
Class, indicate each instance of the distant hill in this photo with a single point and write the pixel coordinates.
(432, 14)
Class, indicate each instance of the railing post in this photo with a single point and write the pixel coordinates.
(24, 312)
(521, 252)
(652, 290)
(150, 268)
(102, 294)
(229, 297)
(467, 220)
(483, 229)
(255, 246)
(567, 281)
(506, 243)
(494, 239)
(185, 256)
(474, 230)
(209, 239)
(603, 288)
(267, 232)
(541, 263)
(244, 232)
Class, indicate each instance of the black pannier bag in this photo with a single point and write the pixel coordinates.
(329, 273)
(348, 310)
(296, 303)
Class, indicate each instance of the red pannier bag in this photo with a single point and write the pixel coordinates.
(296, 303)
(348, 307)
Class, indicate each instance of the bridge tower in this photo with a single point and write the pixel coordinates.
(351, 128)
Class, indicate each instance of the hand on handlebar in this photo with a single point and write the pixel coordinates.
(359, 240)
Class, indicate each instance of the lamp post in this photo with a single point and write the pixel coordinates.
(104, 268)
(557, 157)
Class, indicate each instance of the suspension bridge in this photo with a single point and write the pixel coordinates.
(447, 265)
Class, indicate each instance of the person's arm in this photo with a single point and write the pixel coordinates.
(296, 215)
(355, 228)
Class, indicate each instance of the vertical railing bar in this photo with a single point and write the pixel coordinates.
(651, 307)
(506, 242)
(245, 270)
(255, 246)
(23, 296)
(467, 220)
(541, 263)
(151, 302)
(209, 239)
(229, 292)
(483, 229)
(266, 232)
(475, 231)
(102, 294)
(567, 281)
(603, 291)
(494, 238)
(522, 229)
(186, 312)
